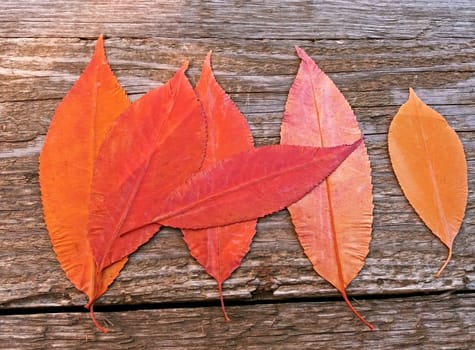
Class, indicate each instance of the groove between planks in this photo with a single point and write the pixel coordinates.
(409, 322)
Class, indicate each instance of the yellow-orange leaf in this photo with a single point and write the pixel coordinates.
(333, 222)
(429, 162)
(77, 130)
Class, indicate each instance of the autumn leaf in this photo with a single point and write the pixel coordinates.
(429, 162)
(154, 146)
(249, 185)
(221, 249)
(77, 130)
(333, 222)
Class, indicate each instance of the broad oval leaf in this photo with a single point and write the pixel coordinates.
(429, 162)
(333, 222)
(250, 185)
(154, 146)
(221, 249)
(77, 130)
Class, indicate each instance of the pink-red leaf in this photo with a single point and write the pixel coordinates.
(221, 249)
(154, 146)
(77, 130)
(250, 185)
(429, 162)
(333, 222)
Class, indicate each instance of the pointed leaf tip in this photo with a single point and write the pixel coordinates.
(303, 55)
(184, 66)
(206, 70)
(99, 50)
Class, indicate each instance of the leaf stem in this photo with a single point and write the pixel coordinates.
(449, 256)
(96, 323)
(221, 299)
(345, 297)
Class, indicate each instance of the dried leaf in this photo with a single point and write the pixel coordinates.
(428, 159)
(77, 130)
(250, 185)
(154, 146)
(333, 222)
(221, 249)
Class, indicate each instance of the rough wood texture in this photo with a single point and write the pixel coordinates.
(438, 322)
(373, 52)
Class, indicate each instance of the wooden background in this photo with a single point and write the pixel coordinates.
(373, 50)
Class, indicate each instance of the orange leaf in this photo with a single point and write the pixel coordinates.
(153, 147)
(250, 185)
(333, 222)
(428, 159)
(221, 249)
(77, 130)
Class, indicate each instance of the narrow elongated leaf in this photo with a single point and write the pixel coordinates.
(154, 146)
(250, 185)
(77, 130)
(429, 162)
(221, 249)
(333, 222)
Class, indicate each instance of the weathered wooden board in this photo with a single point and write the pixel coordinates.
(437, 322)
(236, 19)
(404, 255)
(373, 51)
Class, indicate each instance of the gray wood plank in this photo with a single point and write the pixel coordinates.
(431, 322)
(374, 52)
(336, 19)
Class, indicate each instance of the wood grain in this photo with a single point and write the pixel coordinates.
(373, 52)
(234, 19)
(436, 322)
(403, 255)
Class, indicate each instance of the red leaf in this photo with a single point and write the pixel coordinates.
(333, 222)
(221, 249)
(250, 185)
(77, 130)
(154, 146)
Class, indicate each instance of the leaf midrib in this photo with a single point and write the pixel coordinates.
(433, 179)
(145, 166)
(336, 247)
(236, 188)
